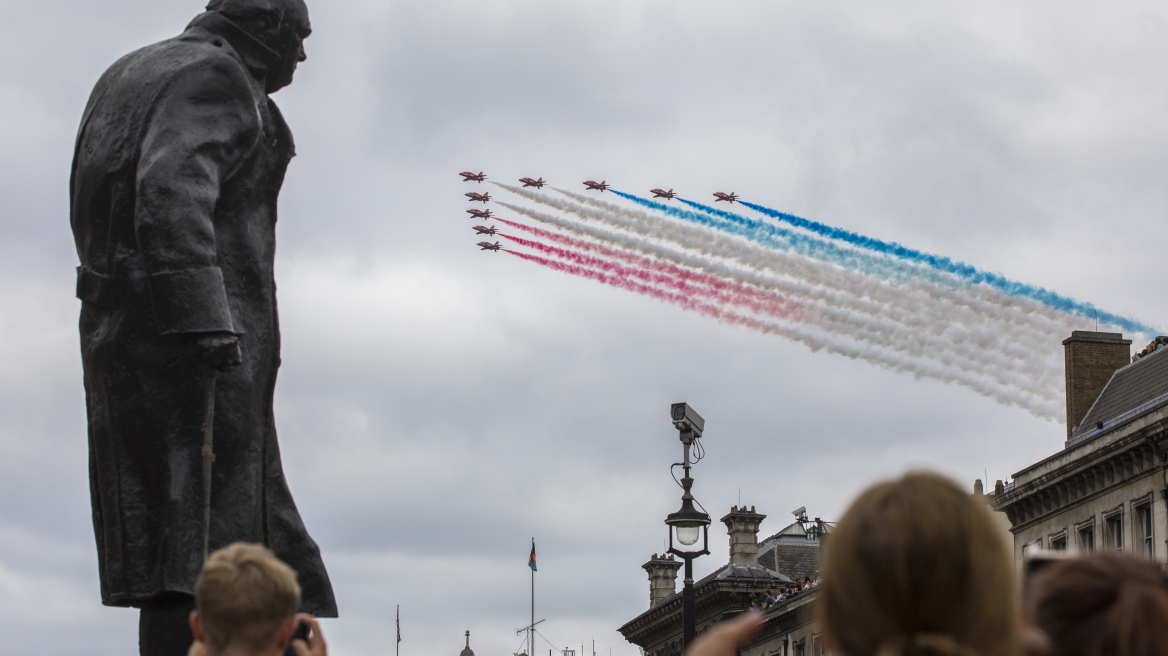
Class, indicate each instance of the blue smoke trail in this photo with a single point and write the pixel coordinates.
(814, 247)
(961, 270)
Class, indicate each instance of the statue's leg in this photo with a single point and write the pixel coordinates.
(164, 627)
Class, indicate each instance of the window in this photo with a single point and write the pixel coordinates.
(1087, 538)
(800, 648)
(1031, 546)
(1143, 536)
(1113, 532)
(1059, 542)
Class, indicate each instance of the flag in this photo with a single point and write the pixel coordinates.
(399, 623)
(531, 558)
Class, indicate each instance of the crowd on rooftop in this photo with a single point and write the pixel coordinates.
(792, 589)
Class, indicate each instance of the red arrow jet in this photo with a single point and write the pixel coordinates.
(730, 198)
(479, 214)
(467, 176)
(528, 182)
(482, 198)
(484, 230)
(596, 186)
(488, 246)
(661, 193)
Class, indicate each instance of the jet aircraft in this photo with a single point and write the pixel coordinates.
(730, 197)
(484, 230)
(467, 176)
(488, 246)
(482, 198)
(528, 182)
(479, 214)
(661, 193)
(596, 186)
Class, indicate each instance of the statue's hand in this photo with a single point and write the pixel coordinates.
(219, 350)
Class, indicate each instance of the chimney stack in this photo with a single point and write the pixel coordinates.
(662, 577)
(742, 525)
(1091, 359)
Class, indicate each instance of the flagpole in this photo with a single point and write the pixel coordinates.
(531, 632)
(397, 643)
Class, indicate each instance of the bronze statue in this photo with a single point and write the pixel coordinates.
(179, 162)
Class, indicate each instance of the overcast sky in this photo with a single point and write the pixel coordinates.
(438, 406)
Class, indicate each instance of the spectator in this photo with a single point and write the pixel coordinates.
(1102, 604)
(918, 567)
(246, 601)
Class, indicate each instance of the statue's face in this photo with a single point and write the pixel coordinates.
(286, 36)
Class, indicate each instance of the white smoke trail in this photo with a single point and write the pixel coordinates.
(977, 335)
(873, 330)
(1039, 406)
(809, 337)
(980, 298)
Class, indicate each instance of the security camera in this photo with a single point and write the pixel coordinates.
(686, 419)
(800, 513)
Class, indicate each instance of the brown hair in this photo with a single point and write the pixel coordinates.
(918, 566)
(244, 593)
(1103, 604)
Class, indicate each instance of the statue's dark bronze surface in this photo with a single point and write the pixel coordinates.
(180, 159)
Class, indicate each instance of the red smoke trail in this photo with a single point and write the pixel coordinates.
(680, 300)
(733, 298)
(685, 302)
(778, 304)
(723, 293)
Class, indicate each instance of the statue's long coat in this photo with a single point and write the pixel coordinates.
(179, 162)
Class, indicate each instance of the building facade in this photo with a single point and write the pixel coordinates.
(754, 571)
(1108, 487)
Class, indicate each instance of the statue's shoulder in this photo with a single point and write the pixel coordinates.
(194, 62)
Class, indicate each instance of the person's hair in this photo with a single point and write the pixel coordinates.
(1102, 604)
(918, 566)
(244, 593)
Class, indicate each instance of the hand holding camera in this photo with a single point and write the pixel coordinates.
(307, 640)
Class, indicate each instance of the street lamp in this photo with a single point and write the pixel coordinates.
(688, 525)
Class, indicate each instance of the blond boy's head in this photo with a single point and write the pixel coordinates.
(243, 597)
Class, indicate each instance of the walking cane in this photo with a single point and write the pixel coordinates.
(208, 455)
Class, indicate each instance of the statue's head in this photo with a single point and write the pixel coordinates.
(280, 25)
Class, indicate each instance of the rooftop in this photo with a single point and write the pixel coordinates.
(1134, 390)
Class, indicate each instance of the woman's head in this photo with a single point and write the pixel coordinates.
(1103, 604)
(918, 566)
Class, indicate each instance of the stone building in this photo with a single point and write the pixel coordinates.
(754, 571)
(1108, 487)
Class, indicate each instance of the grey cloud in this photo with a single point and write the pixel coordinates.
(438, 406)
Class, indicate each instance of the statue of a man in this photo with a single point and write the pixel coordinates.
(180, 158)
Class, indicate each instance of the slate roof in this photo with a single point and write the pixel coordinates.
(792, 559)
(750, 573)
(1132, 391)
(790, 552)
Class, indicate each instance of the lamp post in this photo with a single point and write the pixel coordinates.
(688, 525)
